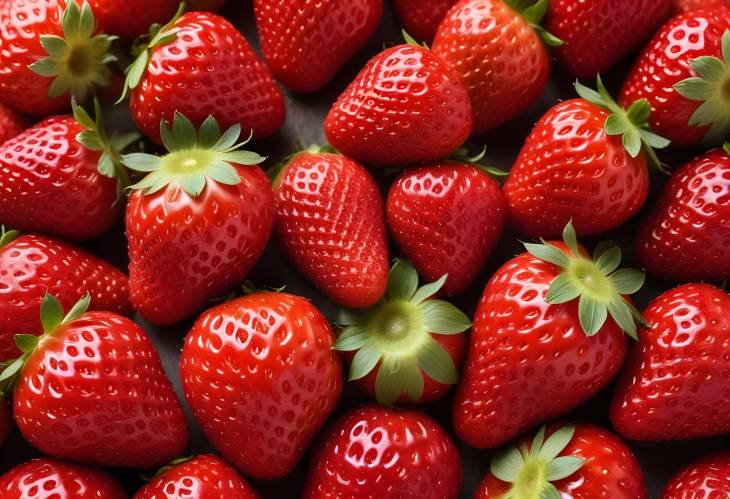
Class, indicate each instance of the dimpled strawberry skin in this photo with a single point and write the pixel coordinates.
(10, 124)
(707, 478)
(131, 18)
(680, 6)
(421, 18)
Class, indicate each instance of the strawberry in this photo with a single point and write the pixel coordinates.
(580, 462)
(51, 478)
(32, 265)
(585, 161)
(92, 389)
(200, 65)
(598, 33)
(330, 223)
(708, 478)
(49, 49)
(684, 73)
(405, 106)
(408, 348)
(10, 124)
(681, 6)
(275, 380)
(686, 234)
(421, 18)
(197, 222)
(542, 341)
(676, 381)
(497, 46)
(446, 217)
(305, 42)
(384, 453)
(131, 18)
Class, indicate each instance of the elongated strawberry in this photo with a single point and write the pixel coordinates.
(330, 223)
(548, 334)
(682, 6)
(708, 477)
(197, 222)
(421, 18)
(10, 124)
(131, 18)
(261, 378)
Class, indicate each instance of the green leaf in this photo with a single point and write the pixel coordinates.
(26, 342)
(7, 236)
(242, 157)
(506, 464)
(562, 467)
(411, 381)
(695, 88)
(621, 314)
(106, 165)
(549, 39)
(437, 363)
(589, 94)
(351, 317)
(538, 441)
(709, 68)
(184, 134)
(192, 184)
(609, 259)
(442, 317)
(638, 113)
(13, 369)
(549, 492)
(70, 20)
(429, 290)
(47, 67)
(363, 362)
(616, 124)
(653, 140)
(548, 253)
(562, 290)
(229, 138)
(59, 86)
(402, 280)
(222, 172)
(571, 239)
(55, 46)
(209, 133)
(726, 147)
(627, 281)
(535, 12)
(141, 162)
(51, 313)
(134, 74)
(121, 141)
(631, 140)
(556, 442)
(591, 313)
(352, 338)
(86, 22)
(79, 308)
(90, 139)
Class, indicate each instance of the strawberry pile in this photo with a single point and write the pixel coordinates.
(424, 326)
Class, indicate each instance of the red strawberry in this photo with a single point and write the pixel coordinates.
(547, 336)
(585, 161)
(131, 18)
(706, 478)
(330, 223)
(305, 42)
(405, 106)
(681, 6)
(10, 124)
(92, 389)
(261, 378)
(676, 383)
(446, 217)
(197, 222)
(6, 421)
(384, 453)
(686, 235)
(51, 478)
(579, 462)
(598, 33)
(33, 265)
(684, 73)
(499, 51)
(200, 65)
(421, 18)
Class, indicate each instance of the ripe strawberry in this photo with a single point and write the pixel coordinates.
(706, 478)
(305, 42)
(675, 383)
(200, 65)
(10, 124)
(584, 161)
(92, 389)
(330, 223)
(405, 106)
(685, 236)
(261, 378)
(598, 33)
(446, 217)
(51, 478)
(131, 18)
(384, 453)
(580, 462)
(684, 73)
(542, 341)
(681, 6)
(197, 222)
(421, 18)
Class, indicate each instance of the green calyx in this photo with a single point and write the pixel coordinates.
(596, 283)
(194, 157)
(397, 333)
(412, 41)
(712, 88)
(631, 124)
(531, 470)
(7, 236)
(533, 11)
(77, 62)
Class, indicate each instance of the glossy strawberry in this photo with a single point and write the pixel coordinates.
(197, 222)
(384, 453)
(421, 18)
(131, 18)
(676, 383)
(305, 42)
(11, 124)
(446, 217)
(405, 106)
(330, 223)
(706, 478)
(681, 6)
(261, 378)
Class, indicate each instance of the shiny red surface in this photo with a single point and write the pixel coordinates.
(706, 478)
(131, 18)
(11, 124)
(421, 18)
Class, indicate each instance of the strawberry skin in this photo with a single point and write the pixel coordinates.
(131, 18)
(261, 378)
(10, 124)
(681, 6)
(305, 42)
(706, 478)
(421, 18)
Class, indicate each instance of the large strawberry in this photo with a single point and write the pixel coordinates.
(676, 383)
(585, 161)
(681, 6)
(598, 33)
(548, 335)
(330, 223)
(305, 42)
(686, 234)
(92, 389)
(261, 378)
(197, 222)
(10, 124)
(384, 453)
(708, 478)
(405, 106)
(131, 18)
(421, 18)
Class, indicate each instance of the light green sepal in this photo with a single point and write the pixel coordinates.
(533, 11)
(726, 147)
(7, 236)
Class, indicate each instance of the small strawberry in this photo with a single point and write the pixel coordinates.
(10, 124)
(131, 18)
(585, 161)
(197, 222)
(305, 42)
(676, 383)
(330, 223)
(421, 18)
(261, 378)
(385, 453)
(707, 478)
(548, 335)
(682, 6)
(405, 106)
